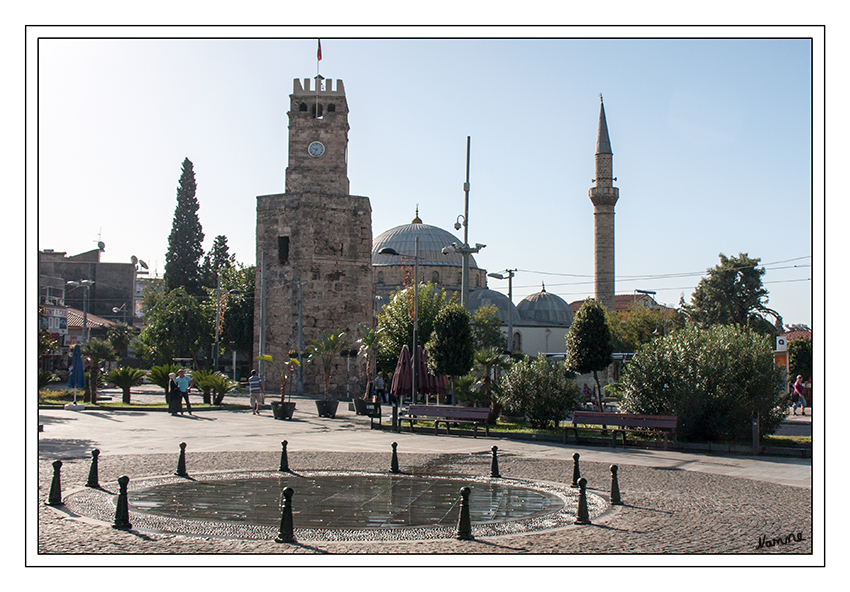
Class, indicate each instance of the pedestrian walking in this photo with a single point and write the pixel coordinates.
(797, 398)
(380, 388)
(184, 383)
(173, 395)
(257, 392)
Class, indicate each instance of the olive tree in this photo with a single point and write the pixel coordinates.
(712, 379)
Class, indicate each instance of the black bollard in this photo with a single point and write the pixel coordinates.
(284, 461)
(576, 472)
(494, 465)
(122, 508)
(286, 532)
(582, 517)
(394, 461)
(92, 482)
(181, 462)
(55, 496)
(464, 523)
(615, 487)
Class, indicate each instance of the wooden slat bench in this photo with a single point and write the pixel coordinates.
(662, 424)
(448, 414)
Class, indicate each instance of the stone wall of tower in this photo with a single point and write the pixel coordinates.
(324, 241)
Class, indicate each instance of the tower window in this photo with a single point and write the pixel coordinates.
(283, 249)
(332, 108)
(435, 277)
(302, 107)
(319, 114)
(380, 277)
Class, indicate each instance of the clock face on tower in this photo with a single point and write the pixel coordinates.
(316, 149)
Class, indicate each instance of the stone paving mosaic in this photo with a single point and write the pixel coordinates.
(336, 505)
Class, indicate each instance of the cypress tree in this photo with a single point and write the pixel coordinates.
(182, 261)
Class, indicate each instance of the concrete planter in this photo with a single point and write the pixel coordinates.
(283, 410)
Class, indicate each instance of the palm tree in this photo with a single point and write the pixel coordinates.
(488, 359)
(125, 378)
(222, 385)
(368, 349)
(97, 351)
(202, 381)
(326, 348)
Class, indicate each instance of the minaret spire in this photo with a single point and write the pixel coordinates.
(603, 196)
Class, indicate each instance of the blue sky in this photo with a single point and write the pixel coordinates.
(712, 142)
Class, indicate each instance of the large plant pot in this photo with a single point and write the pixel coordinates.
(283, 410)
(360, 406)
(327, 408)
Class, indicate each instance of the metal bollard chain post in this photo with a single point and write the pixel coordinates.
(284, 460)
(464, 522)
(615, 487)
(93, 481)
(582, 517)
(286, 534)
(122, 507)
(181, 462)
(394, 461)
(55, 496)
(494, 465)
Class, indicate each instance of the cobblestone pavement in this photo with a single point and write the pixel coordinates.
(665, 511)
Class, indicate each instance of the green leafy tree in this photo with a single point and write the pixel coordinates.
(538, 390)
(589, 343)
(182, 260)
(733, 294)
(488, 361)
(96, 351)
(175, 326)
(216, 259)
(396, 322)
(487, 328)
(236, 309)
(450, 348)
(120, 335)
(325, 349)
(712, 379)
(125, 378)
(639, 325)
(46, 344)
(800, 359)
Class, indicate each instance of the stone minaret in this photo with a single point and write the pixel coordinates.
(604, 195)
(316, 241)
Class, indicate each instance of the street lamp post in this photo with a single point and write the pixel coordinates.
(510, 274)
(391, 251)
(86, 284)
(465, 250)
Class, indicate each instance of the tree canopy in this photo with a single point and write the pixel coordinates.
(487, 328)
(450, 347)
(175, 326)
(182, 260)
(589, 342)
(733, 294)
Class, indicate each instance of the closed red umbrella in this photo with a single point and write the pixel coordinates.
(400, 386)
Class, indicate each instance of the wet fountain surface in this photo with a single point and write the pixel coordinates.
(337, 505)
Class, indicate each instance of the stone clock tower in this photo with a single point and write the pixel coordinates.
(314, 244)
(603, 196)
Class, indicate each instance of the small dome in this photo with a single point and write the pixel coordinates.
(504, 307)
(431, 243)
(546, 309)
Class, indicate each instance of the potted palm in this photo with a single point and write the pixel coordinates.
(325, 349)
(368, 348)
(283, 409)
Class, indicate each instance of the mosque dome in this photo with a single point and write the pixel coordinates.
(505, 308)
(545, 308)
(431, 242)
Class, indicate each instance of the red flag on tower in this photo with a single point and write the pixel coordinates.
(319, 53)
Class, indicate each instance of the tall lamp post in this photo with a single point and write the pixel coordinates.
(510, 275)
(87, 284)
(218, 317)
(465, 250)
(391, 251)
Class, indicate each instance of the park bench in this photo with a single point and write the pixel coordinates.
(623, 423)
(448, 414)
